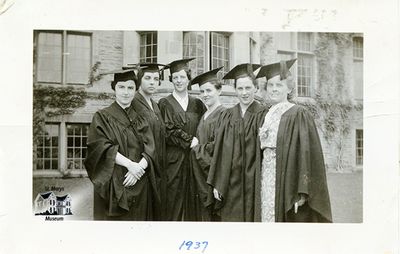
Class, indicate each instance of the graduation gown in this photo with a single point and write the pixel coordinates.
(200, 160)
(300, 168)
(113, 130)
(154, 118)
(181, 127)
(236, 164)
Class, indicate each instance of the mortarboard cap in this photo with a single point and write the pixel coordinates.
(242, 70)
(206, 77)
(122, 75)
(152, 67)
(179, 65)
(271, 70)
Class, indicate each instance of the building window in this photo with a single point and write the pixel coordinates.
(194, 46)
(76, 145)
(219, 49)
(359, 147)
(148, 47)
(211, 50)
(63, 57)
(358, 71)
(300, 46)
(304, 42)
(252, 47)
(304, 75)
(358, 47)
(47, 149)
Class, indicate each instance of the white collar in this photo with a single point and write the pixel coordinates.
(182, 101)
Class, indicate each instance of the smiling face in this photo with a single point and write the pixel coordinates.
(209, 94)
(245, 90)
(278, 90)
(180, 81)
(124, 92)
(149, 82)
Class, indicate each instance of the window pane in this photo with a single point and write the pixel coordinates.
(148, 51)
(47, 148)
(78, 58)
(358, 46)
(154, 50)
(304, 41)
(148, 39)
(359, 147)
(47, 164)
(220, 52)
(154, 38)
(54, 153)
(70, 141)
(193, 46)
(76, 151)
(148, 47)
(39, 165)
(304, 75)
(49, 57)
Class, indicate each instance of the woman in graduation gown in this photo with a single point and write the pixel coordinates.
(120, 158)
(148, 77)
(181, 114)
(210, 90)
(236, 163)
(294, 187)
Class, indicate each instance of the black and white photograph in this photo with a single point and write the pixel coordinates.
(210, 146)
(199, 127)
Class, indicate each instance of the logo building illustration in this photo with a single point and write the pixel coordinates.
(49, 204)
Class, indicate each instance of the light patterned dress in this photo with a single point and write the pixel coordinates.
(268, 135)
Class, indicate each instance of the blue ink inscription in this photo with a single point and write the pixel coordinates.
(190, 245)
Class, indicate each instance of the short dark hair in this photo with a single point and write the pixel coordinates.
(140, 75)
(188, 74)
(216, 83)
(252, 78)
(113, 83)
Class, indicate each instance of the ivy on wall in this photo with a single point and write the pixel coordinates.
(50, 101)
(333, 105)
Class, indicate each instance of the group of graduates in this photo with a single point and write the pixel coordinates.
(191, 159)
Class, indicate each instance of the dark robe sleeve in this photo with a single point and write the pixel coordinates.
(149, 153)
(303, 168)
(201, 159)
(204, 152)
(102, 150)
(174, 123)
(221, 163)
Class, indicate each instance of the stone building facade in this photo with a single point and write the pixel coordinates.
(64, 59)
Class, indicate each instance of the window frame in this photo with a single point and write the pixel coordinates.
(355, 48)
(83, 146)
(208, 55)
(62, 170)
(295, 52)
(49, 172)
(195, 70)
(64, 47)
(141, 33)
(226, 68)
(359, 159)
